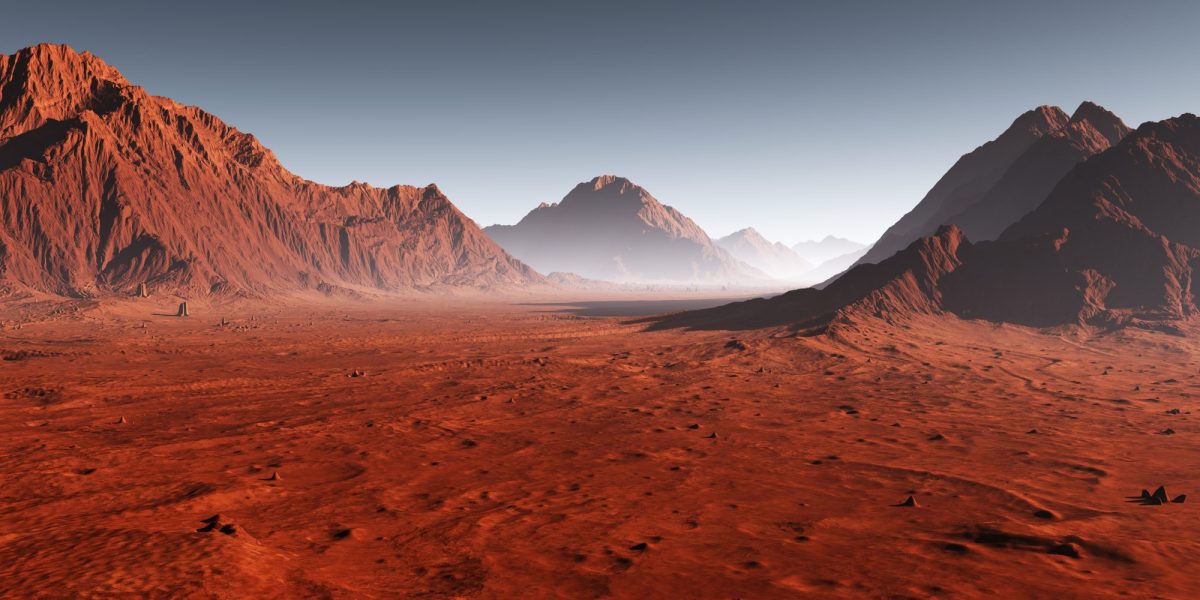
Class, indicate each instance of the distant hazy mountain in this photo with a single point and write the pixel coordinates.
(613, 230)
(773, 258)
(817, 252)
(834, 266)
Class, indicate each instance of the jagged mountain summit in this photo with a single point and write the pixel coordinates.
(613, 230)
(1117, 242)
(1027, 182)
(773, 258)
(105, 187)
(993, 186)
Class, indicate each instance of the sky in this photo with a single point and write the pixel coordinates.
(800, 119)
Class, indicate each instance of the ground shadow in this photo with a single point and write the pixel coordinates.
(634, 308)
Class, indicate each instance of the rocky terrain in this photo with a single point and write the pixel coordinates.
(454, 450)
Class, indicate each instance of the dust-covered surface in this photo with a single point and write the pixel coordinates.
(469, 450)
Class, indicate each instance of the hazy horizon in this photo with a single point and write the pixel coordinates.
(763, 116)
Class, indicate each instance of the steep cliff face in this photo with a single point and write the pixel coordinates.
(906, 282)
(103, 187)
(1028, 181)
(1126, 223)
(967, 181)
(996, 184)
(612, 229)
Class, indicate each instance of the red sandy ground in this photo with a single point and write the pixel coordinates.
(504, 451)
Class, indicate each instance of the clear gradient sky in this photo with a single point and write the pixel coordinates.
(798, 118)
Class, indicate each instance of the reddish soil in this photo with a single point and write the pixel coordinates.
(506, 451)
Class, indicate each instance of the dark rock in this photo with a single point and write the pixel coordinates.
(1068, 549)
(1160, 494)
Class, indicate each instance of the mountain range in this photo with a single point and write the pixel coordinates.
(104, 187)
(773, 258)
(826, 249)
(1115, 242)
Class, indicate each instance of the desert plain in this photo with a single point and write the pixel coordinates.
(510, 448)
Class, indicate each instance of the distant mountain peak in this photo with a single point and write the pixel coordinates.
(1101, 120)
(826, 249)
(603, 181)
(1042, 119)
(746, 232)
(609, 189)
(1087, 108)
(831, 239)
(772, 258)
(610, 228)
